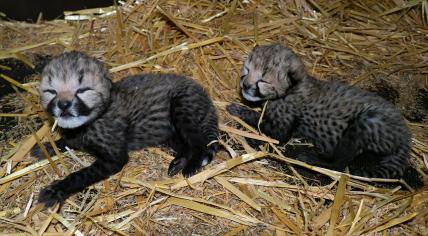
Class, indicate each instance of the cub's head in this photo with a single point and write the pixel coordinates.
(269, 72)
(74, 89)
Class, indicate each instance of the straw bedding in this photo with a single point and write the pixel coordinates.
(378, 45)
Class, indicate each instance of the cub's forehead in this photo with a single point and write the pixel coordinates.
(272, 50)
(270, 55)
(71, 66)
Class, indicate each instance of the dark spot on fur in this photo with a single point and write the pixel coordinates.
(342, 106)
(175, 107)
(81, 74)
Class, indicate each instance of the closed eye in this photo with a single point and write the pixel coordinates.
(82, 90)
(51, 91)
(262, 81)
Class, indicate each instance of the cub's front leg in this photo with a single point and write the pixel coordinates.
(107, 164)
(111, 155)
(246, 114)
(278, 121)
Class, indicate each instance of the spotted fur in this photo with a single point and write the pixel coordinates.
(110, 119)
(344, 122)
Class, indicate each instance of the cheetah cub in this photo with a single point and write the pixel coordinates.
(110, 119)
(344, 123)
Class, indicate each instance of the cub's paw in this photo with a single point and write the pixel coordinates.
(212, 149)
(236, 109)
(51, 195)
(176, 165)
(191, 168)
(197, 162)
(205, 158)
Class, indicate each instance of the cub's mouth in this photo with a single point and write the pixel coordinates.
(66, 119)
(250, 97)
(71, 122)
(251, 92)
(66, 114)
(76, 115)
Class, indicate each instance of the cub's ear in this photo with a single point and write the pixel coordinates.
(296, 68)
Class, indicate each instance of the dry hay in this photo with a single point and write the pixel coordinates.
(359, 41)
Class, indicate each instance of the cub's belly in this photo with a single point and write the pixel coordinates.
(150, 134)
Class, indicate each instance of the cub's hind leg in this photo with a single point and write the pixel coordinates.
(336, 152)
(367, 135)
(195, 120)
(388, 167)
(388, 138)
(338, 159)
(182, 155)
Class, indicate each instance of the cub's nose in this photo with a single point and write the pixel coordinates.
(64, 104)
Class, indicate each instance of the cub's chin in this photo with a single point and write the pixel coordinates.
(250, 97)
(72, 122)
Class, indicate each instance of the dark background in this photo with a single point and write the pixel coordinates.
(28, 10)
